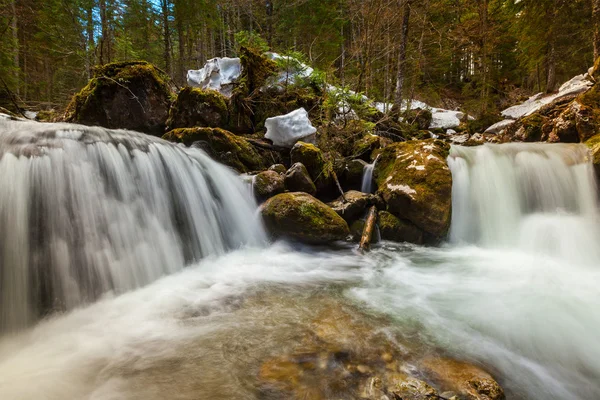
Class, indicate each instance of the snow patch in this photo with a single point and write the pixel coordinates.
(217, 74)
(402, 188)
(445, 119)
(498, 127)
(286, 130)
(578, 84)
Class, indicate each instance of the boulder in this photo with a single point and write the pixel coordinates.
(366, 146)
(302, 217)
(198, 108)
(224, 146)
(395, 229)
(279, 168)
(127, 95)
(594, 145)
(286, 130)
(420, 118)
(313, 159)
(414, 180)
(266, 185)
(468, 380)
(297, 179)
(354, 204)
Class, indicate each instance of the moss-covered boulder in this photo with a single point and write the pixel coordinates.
(127, 95)
(297, 179)
(594, 145)
(198, 108)
(415, 182)
(395, 229)
(224, 146)
(419, 118)
(353, 174)
(320, 171)
(279, 168)
(267, 184)
(365, 147)
(302, 217)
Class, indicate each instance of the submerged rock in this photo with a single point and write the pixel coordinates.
(468, 380)
(198, 108)
(127, 95)
(414, 180)
(266, 185)
(302, 217)
(297, 179)
(286, 130)
(232, 150)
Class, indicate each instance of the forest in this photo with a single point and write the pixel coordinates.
(481, 55)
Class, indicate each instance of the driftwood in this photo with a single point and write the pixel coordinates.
(365, 240)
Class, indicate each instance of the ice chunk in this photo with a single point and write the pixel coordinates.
(217, 74)
(498, 127)
(577, 85)
(286, 130)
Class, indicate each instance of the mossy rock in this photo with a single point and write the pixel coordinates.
(419, 118)
(267, 184)
(530, 129)
(343, 137)
(198, 108)
(302, 217)
(395, 229)
(224, 146)
(354, 204)
(480, 124)
(319, 169)
(353, 174)
(594, 145)
(414, 180)
(365, 147)
(279, 168)
(274, 101)
(128, 95)
(297, 179)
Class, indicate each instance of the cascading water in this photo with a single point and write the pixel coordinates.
(540, 198)
(367, 179)
(86, 210)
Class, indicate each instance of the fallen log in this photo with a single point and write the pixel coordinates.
(365, 240)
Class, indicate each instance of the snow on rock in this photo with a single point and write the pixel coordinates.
(577, 85)
(286, 130)
(217, 74)
(445, 119)
(293, 68)
(498, 127)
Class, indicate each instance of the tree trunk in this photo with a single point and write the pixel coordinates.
(181, 39)
(365, 240)
(104, 33)
(596, 23)
(551, 65)
(269, 12)
(483, 16)
(401, 76)
(166, 36)
(90, 59)
(15, 33)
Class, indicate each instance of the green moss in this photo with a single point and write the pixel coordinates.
(132, 95)
(303, 217)
(594, 146)
(532, 128)
(397, 230)
(365, 147)
(198, 107)
(228, 148)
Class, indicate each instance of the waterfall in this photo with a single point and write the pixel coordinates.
(537, 197)
(87, 210)
(367, 178)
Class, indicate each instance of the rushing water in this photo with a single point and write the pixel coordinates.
(367, 179)
(86, 210)
(516, 290)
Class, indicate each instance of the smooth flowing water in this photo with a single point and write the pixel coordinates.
(367, 179)
(516, 290)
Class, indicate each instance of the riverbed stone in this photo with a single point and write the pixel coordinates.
(302, 217)
(354, 204)
(395, 229)
(415, 182)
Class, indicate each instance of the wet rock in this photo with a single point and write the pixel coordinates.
(279, 168)
(198, 108)
(302, 217)
(415, 182)
(356, 230)
(395, 229)
(409, 388)
(127, 95)
(354, 204)
(266, 185)
(594, 145)
(366, 146)
(468, 380)
(224, 146)
(353, 174)
(297, 179)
